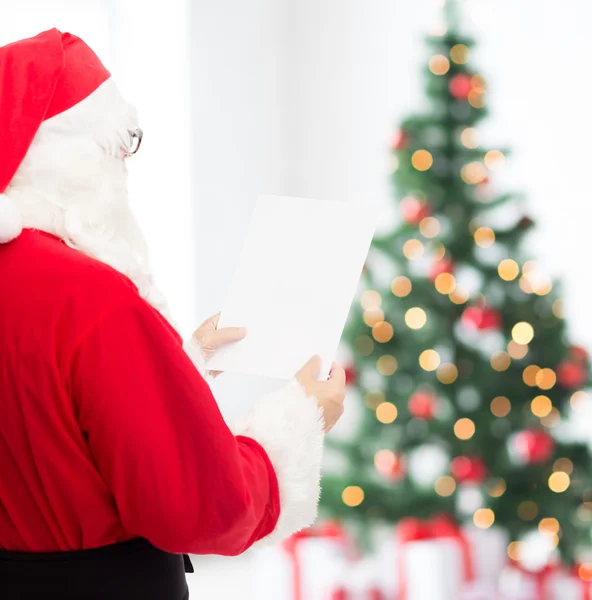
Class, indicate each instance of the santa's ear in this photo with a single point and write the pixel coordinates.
(10, 220)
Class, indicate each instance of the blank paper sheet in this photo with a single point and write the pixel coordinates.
(295, 281)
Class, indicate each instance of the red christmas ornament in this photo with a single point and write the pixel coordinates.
(572, 374)
(339, 594)
(399, 140)
(414, 210)
(534, 446)
(351, 375)
(375, 594)
(460, 86)
(468, 470)
(389, 465)
(579, 354)
(422, 405)
(484, 319)
(445, 265)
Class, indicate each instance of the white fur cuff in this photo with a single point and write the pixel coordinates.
(10, 220)
(289, 426)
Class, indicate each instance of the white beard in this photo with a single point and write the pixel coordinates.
(73, 184)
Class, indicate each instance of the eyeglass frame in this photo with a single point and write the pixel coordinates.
(135, 134)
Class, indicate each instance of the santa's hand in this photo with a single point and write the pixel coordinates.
(330, 394)
(210, 338)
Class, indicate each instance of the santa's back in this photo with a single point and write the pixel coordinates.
(51, 494)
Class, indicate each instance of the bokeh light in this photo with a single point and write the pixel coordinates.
(387, 365)
(500, 406)
(401, 286)
(445, 486)
(373, 316)
(386, 412)
(549, 525)
(469, 138)
(528, 510)
(382, 332)
(374, 399)
(445, 283)
(563, 464)
(422, 160)
(484, 237)
(517, 351)
(415, 318)
(413, 249)
(522, 333)
(541, 406)
(464, 429)
(494, 159)
(473, 173)
(459, 53)
(429, 360)
(546, 379)
(429, 227)
(371, 299)
(508, 269)
(559, 482)
(447, 373)
(439, 64)
(353, 495)
(484, 518)
(496, 488)
(364, 345)
(529, 375)
(501, 361)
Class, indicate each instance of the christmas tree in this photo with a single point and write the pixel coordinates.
(461, 359)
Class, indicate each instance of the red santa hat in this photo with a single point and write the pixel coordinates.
(40, 78)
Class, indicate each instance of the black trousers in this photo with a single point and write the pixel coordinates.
(132, 570)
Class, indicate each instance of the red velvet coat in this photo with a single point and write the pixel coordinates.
(107, 430)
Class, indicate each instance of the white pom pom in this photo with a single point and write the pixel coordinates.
(10, 220)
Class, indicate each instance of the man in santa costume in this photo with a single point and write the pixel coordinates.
(114, 458)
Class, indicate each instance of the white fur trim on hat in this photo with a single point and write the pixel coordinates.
(10, 220)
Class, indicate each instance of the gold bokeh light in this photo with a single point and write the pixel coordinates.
(464, 429)
(401, 286)
(445, 283)
(439, 64)
(484, 237)
(508, 269)
(373, 316)
(445, 486)
(484, 518)
(371, 299)
(494, 159)
(447, 373)
(559, 482)
(364, 345)
(517, 351)
(546, 379)
(386, 412)
(563, 464)
(473, 173)
(422, 160)
(353, 495)
(429, 360)
(500, 406)
(501, 361)
(459, 53)
(382, 332)
(529, 375)
(541, 406)
(429, 227)
(413, 249)
(415, 318)
(549, 525)
(387, 365)
(469, 138)
(522, 333)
